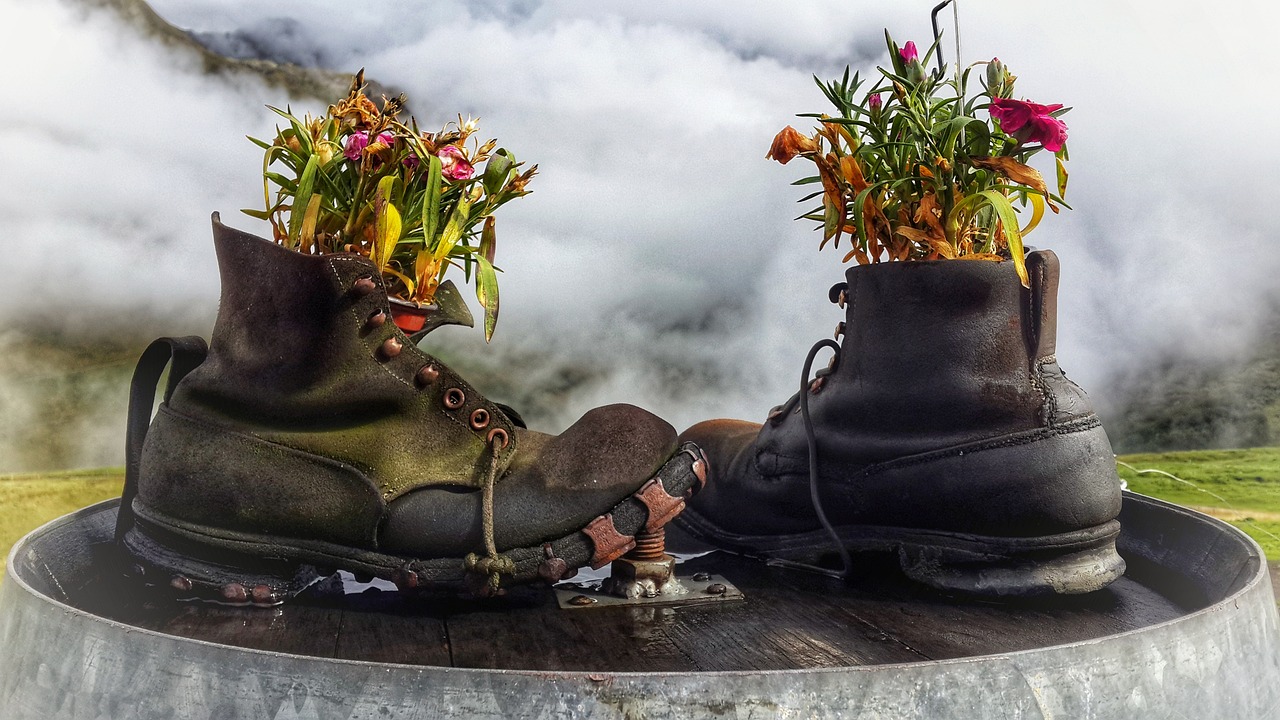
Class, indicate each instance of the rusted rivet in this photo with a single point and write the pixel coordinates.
(377, 319)
(263, 594)
(716, 589)
(180, 583)
(454, 398)
(552, 569)
(363, 286)
(702, 577)
(480, 419)
(839, 329)
(816, 386)
(844, 297)
(427, 376)
(497, 437)
(235, 592)
(582, 600)
(391, 347)
(406, 579)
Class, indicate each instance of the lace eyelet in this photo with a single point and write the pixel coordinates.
(377, 319)
(498, 438)
(454, 398)
(363, 286)
(480, 419)
(391, 347)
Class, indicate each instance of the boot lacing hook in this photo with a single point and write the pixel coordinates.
(813, 454)
(493, 564)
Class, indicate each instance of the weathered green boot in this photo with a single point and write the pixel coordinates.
(314, 436)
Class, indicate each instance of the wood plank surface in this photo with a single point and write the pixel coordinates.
(790, 619)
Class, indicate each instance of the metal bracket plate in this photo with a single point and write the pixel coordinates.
(701, 591)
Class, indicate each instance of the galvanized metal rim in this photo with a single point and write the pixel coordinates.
(592, 676)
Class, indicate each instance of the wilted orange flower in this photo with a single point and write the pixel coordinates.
(789, 143)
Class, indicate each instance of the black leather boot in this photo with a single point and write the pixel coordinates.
(314, 436)
(944, 430)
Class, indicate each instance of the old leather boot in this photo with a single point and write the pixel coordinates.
(314, 436)
(944, 430)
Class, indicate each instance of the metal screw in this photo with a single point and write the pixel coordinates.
(581, 600)
(701, 577)
(716, 589)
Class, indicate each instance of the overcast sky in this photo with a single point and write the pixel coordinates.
(657, 252)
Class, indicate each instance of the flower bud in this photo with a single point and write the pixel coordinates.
(876, 105)
(996, 73)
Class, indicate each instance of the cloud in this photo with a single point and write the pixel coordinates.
(656, 261)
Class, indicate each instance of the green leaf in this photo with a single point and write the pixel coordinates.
(431, 205)
(497, 171)
(487, 294)
(489, 239)
(306, 185)
(454, 228)
(1009, 222)
(1062, 171)
(259, 214)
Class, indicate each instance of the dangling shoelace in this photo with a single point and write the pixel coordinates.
(493, 564)
(812, 439)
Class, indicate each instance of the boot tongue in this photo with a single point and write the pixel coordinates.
(448, 309)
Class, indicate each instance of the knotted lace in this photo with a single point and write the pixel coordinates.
(493, 565)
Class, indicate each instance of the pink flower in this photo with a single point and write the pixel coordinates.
(358, 141)
(1030, 122)
(908, 52)
(454, 165)
(875, 102)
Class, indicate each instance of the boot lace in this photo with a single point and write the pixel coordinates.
(494, 564)
(801, 398)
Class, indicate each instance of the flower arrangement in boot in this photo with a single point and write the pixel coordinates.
(360, 180)
(943, 430)
(911, 171)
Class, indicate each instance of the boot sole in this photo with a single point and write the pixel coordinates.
(1071, 563)
(239, 568)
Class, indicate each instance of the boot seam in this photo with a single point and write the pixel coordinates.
(351, 314)
(1025, 437)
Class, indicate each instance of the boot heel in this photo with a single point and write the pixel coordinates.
(219, 575)
(1059, 566)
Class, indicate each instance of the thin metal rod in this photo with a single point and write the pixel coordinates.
(937, 34)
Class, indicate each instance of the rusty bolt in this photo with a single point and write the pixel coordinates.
(716, 589)
(581, 600)
(263, 594)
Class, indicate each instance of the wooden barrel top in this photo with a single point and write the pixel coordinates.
(789, 619)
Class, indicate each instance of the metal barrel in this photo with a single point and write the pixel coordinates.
(1220, 659)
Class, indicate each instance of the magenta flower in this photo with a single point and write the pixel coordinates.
(454, 165)
(875, 102)
(1030, 122)
(358, 141)
(908, 52)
